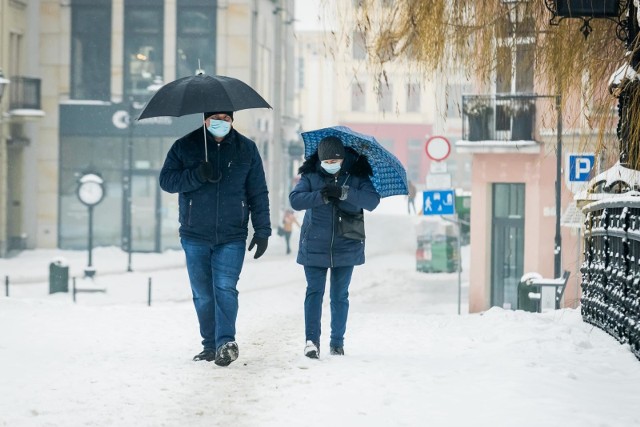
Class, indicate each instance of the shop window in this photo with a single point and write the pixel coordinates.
(196, 37)
(91, 50)
(143, 44)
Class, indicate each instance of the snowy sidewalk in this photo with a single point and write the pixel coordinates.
(110, 360)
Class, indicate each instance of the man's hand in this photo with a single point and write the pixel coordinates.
(261, 244)
(204, 171)
(331, 192)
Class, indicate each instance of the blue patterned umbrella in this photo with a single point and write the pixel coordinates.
(389, 176)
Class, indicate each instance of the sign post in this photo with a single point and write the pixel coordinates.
(443, 202)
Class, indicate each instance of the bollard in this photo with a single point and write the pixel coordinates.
(149, 294)
(6, 286)
(74, 288)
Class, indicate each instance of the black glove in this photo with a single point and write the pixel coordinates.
(261, 244)
(204, 171)
(331, 192)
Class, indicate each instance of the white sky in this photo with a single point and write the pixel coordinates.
(308, 14)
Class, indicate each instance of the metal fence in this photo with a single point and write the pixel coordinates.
(611, 269)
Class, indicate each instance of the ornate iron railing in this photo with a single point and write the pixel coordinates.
(611, 269)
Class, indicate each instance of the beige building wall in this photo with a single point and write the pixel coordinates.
(245, 50)
(54, 71)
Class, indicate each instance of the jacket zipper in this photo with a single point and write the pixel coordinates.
(333, 227)
(242, 216)
(189, 214)
(218, 195)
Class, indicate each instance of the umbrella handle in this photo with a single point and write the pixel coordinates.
(204, 133)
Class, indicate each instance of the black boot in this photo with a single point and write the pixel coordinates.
(207, 354)
(227, 353)
(336, 351)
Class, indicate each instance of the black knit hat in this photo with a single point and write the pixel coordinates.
(209, 114)
(330, 147)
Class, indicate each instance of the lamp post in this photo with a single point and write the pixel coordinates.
(557, 259)
(613, 10)
(128, 178)
(3, 155)
(128, 190)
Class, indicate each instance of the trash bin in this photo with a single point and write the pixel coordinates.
(444, 254)
(58, 276)
(524, 288)
(423, 254)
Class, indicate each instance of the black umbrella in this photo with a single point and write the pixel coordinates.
(202, 93)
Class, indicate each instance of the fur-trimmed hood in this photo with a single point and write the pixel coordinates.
(354, 164)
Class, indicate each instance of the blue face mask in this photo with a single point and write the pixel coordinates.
(331, 168)
(219, 128)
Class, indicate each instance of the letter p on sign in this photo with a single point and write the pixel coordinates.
(580, 166)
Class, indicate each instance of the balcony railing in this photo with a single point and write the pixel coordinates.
(499, 117)
(24, 93)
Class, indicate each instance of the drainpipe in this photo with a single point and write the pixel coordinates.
(275, 156)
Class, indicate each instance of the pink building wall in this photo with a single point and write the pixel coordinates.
(538, 173)
(401, 134)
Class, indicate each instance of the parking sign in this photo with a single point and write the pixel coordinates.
(580, 166)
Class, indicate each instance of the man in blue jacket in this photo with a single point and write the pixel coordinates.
(216, 199)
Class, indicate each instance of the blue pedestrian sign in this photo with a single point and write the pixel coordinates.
(580, 166)
(439, 202)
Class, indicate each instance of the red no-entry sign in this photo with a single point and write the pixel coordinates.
(438, 148)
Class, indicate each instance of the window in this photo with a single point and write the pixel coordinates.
(300, 73)
(91, 50)
(359, 45)
(453, 96)
(524, 67)
(358, 100)
(508, 200)
(143, 46)
(414, 158)
(385, 100)
(196, 37)
(413, 98)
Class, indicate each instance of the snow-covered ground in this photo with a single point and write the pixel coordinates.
(110, 360)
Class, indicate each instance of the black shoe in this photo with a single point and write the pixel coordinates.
(227, 353)
(312, 350)
(336, 351)
(207, 354)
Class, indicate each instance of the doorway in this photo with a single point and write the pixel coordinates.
(507, 255)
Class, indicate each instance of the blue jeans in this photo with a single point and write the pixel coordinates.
(339, 293)
(214, 271)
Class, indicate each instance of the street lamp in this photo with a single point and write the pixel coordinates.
(3, 84)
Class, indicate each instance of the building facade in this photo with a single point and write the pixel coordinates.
(401, 106)
(99, 61)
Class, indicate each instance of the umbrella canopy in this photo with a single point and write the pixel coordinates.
(389, 176)
(202, 93)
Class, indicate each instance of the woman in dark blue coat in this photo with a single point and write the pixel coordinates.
(333, 179)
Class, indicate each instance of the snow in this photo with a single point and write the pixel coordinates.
(110, 360)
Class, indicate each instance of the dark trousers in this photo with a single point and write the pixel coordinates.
(339, 294)
(214, 271)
